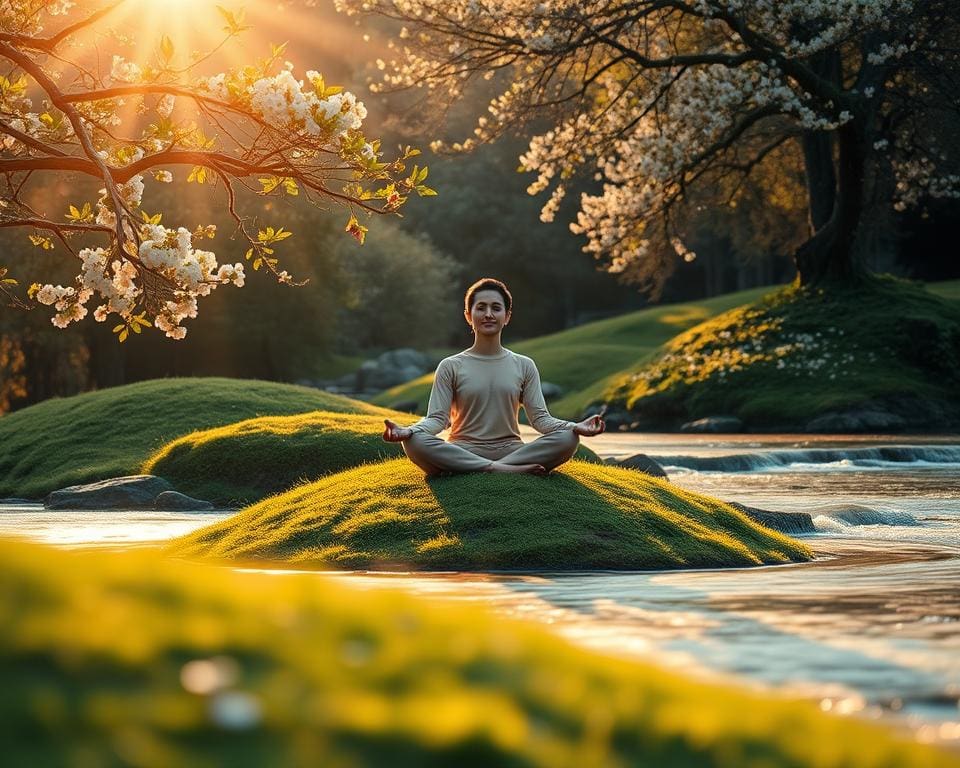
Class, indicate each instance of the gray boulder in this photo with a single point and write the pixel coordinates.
(132, 492)
(14, 500)
(397, 366)
(551, 391)
(714, 425)
(857, 420)
(785, 522)
(173, 501)
(643, 463)
(405, 357)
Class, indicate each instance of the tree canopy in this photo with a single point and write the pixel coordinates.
(128, 124)
(670, 106)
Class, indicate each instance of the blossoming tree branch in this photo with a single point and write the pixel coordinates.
(669, 104)
(131, 124)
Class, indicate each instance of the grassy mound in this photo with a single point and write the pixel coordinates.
(581, 359)
(584, 516)
(112, 432)
(130, 659)
(243, 462)
(797, 353)
(246, 461)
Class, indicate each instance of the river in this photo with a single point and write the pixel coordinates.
(870, 628)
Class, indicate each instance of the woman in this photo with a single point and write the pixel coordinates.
(478, 393)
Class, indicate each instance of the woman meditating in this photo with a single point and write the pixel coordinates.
(477, 393)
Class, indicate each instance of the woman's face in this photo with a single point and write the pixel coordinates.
(488, 314)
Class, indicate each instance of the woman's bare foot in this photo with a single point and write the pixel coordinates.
(528, 469)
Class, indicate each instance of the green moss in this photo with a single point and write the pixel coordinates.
(112, 432)
(582, 516)
(96, 649)
(243, 462)
(796, 353)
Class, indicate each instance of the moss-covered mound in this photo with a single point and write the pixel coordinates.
(127, 659)
(581, 359)
(888, 345)
(583, 516)
(246, 461)
(111, 432)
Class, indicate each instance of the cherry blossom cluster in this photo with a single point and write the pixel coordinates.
(284, 101)
(169, 254)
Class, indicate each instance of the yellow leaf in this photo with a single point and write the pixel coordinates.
(166, 48)
(123, 334)
(268, 184)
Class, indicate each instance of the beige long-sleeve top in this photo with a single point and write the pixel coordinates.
(479, 398)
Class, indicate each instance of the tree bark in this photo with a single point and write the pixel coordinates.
(833, 254)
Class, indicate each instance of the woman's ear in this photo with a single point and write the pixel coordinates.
(506, 320)
(466, 316)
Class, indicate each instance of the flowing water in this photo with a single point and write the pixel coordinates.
(871, 627)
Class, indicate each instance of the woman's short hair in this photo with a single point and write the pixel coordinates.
(487, 284)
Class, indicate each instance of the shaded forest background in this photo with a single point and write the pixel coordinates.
(404, 286)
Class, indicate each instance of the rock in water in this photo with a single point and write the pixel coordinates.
(643, 463)
(714, 424)
(132, 492)
(175, 501)
(785, 522)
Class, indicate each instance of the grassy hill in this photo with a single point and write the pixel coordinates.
(777, 363)
(244, 462)
(112, 432)
(582, 516)
(129, 659)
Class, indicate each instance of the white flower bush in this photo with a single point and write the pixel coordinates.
(259, 126)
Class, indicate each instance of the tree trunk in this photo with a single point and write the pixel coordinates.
(832, 253)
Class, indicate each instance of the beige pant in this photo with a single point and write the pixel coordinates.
(434, 455)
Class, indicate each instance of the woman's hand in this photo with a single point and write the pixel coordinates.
(590, 426)
(395, 433)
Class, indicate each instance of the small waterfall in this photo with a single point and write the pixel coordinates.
(890, 457)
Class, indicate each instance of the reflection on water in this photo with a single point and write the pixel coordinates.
(871, 627)
(100, 528)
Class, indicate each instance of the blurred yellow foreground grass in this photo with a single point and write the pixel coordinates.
(129, 659)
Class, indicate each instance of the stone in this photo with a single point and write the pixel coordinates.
(405, 357)
(857, 420)
(643, 463)
(14, 500)
(131, 492)
(175, 501)
(714, 425)
(785, 522)
(617, 419)
(551, 391)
